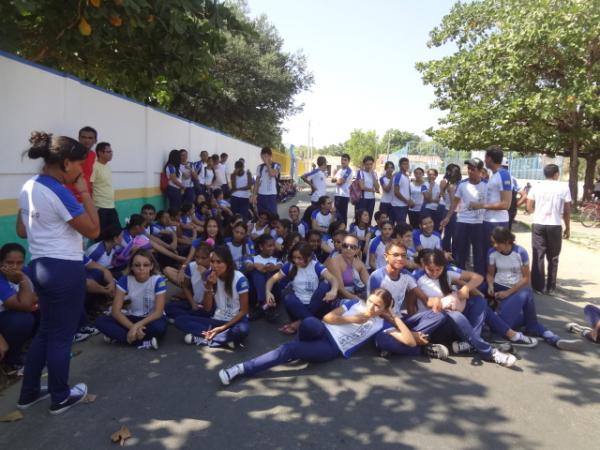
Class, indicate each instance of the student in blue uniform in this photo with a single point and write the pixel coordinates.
(192, 286)
(298, 225)
(498, 196)
(317, 181)
(367, 179)
(340, 333)
(240, 245)
(432, 198)
(175, 187)
(468, 234)
(263, 266)
(418, 188)
(314, 289)
(361, 228)
(105, 252)
(465, 311)
(17, 301)
(401, 185)
(399, 282)
(265, 187)
(225, 293)
(426, 236)
(322, 217)
(342, 180)
(241, 187)
(508, 282)
(448, 186)
(378, 245)
(56, 267)
(145, 289)
(386, 181)
(592, 315)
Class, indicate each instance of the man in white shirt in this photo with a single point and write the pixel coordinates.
(265, 187)
(401, 185)
(226, 173)
(548, 201)
(342, 180)
(317, 180)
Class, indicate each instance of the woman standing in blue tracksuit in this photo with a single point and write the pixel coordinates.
(53, 222)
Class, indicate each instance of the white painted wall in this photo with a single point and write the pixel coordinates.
(36, 98)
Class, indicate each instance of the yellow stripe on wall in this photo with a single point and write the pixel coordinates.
(9, 207)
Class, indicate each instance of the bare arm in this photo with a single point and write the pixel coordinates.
(567, 219)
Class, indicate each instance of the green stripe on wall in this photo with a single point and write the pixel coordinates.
(125, 208)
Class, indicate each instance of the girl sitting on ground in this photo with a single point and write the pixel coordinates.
(466, 312)
(192, 287)
(361, 228)
(263, 266)
(144, 321)
(508, 283)
(225, 293)
(314, 289)
(350, 272)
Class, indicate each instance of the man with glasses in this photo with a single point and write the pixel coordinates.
(407, 296)
(104, 194)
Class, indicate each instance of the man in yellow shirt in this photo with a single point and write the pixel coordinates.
(104, 194)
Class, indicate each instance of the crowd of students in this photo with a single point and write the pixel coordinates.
(405, 285)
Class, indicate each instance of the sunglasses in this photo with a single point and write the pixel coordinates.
(349, 246)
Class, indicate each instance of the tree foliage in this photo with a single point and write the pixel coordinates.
(200, 58)
(525, 76)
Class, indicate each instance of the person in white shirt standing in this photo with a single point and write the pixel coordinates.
(342, 180)
(220, 174)
(469, 220)
(369, 186)
(498, 196)
(53, 222)
(317, 180)
(223, 166)
(265, 186)
(401, 185)
(548, 201)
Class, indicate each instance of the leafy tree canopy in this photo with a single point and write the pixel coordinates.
(204, 59)
(525, 76)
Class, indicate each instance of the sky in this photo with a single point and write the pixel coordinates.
(362, 55)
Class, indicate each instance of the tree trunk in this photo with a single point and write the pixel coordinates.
(573, 168)
(590, 174)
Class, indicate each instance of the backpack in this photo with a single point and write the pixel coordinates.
(164, 181)
(355, 191)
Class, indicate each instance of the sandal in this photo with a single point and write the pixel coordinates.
(288, 329)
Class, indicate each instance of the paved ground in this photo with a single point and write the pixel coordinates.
(172, 399)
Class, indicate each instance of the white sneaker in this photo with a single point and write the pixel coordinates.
(89, 330)
(194, 340)
(437, 351)
(171, 320)
(574, 345)
(226, 375)
(150, 344)
(503, 359)
(80, 337)
(108, 340)
(462, 347)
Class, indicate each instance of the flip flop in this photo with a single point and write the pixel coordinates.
(287, 329)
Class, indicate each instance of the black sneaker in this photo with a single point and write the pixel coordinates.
(43, 394)
(77, 395)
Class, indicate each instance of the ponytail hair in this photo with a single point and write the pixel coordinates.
(437, 258)
(54, 150)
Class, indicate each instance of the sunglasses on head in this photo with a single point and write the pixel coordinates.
(350, 246)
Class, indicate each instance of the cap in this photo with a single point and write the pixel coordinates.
(504, 162)
(475, 162)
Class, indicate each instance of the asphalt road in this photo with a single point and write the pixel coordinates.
(171, 398)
